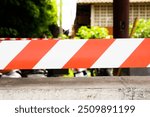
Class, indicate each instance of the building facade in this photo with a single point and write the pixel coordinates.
(100, 12)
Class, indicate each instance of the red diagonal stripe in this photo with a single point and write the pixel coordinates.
(140, 57)
(31, 54)
(88, 54)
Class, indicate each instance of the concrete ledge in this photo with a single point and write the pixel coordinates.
(121, 88)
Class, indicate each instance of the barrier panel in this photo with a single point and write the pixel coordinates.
(59, 54)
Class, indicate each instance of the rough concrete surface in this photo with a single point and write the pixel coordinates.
(97, 88)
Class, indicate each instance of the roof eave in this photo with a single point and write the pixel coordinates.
(110, 2)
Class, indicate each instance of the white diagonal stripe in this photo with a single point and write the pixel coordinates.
(8, 50)
(60, 54)
(117, 53)
(148, 65)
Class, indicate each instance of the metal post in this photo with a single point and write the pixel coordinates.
(121, 18)
(121, 26)
(60, 20)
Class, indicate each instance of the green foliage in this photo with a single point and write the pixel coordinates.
(98, 32)
(8, 31)
(142, 29)
(94, 32)
(84, 32)
(63, 36)
(27, 18)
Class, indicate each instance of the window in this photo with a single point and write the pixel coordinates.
(102, 14)
(140, 11)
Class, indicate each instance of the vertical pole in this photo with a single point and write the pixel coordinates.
(121, 18)
(60, 15)
(121, 26)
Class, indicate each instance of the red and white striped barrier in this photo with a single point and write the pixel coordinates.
(50, 54)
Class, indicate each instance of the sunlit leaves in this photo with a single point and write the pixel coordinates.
(94, 32)
(142, 29)
(29, 18)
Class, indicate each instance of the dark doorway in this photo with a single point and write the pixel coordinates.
(83, 16)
